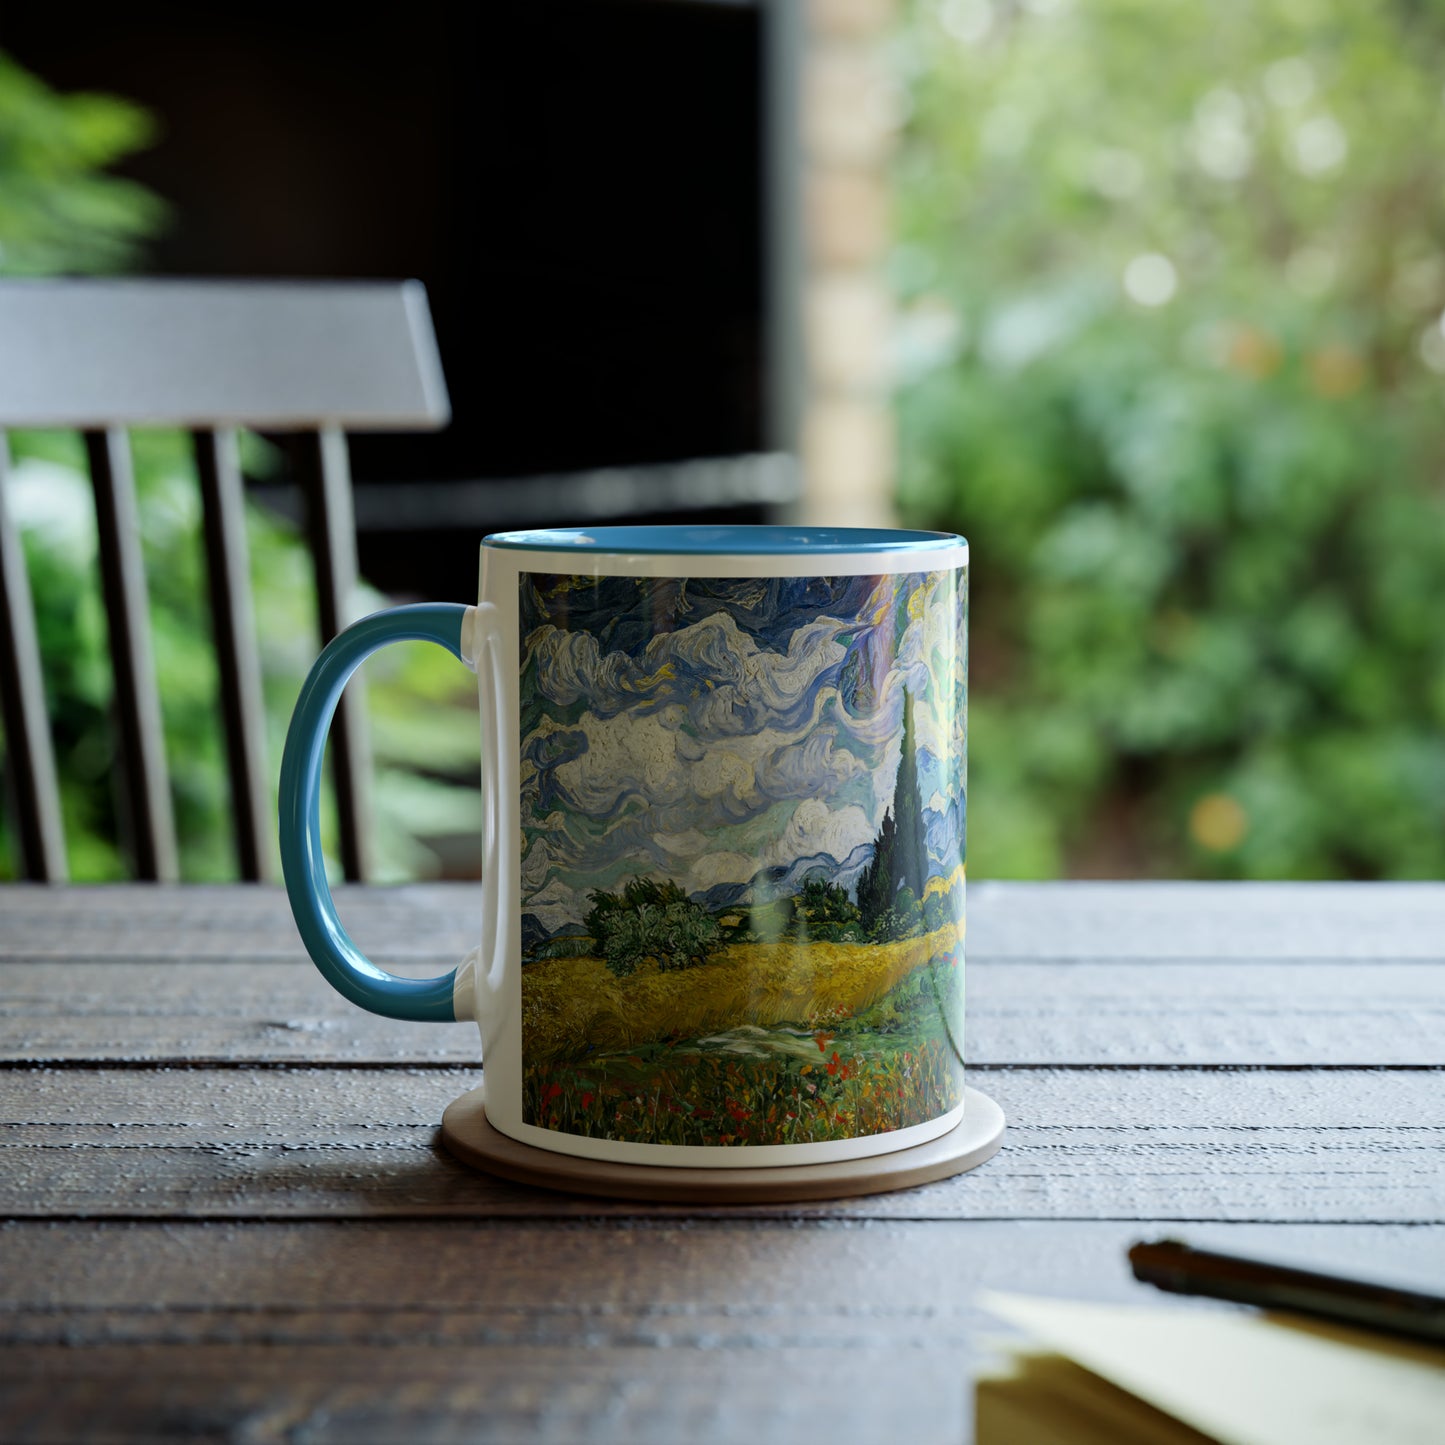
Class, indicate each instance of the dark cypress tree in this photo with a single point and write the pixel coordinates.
(910, 848)
(876, 885)
(900, 852)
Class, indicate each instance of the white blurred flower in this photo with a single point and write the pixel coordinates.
(1117, 174)
(1420, 281)
(1221, 106)
(1289, 83)
(54, 501)
(1005, 131)
(1432, 346)
(927, 335)
(1018, 332)
(1319, 145)
(1220, 135)
(968, 21)
(1151, 279)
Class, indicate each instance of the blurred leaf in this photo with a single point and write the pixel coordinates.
(59, 210)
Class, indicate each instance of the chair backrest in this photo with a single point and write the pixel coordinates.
(311, 359)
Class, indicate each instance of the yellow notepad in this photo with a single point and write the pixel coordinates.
(1116, 1374)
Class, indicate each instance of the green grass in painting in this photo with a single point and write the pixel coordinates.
(893, 1065)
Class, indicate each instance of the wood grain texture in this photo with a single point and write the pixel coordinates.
(199, 921)
(1106, 922)
(229, 1217)
(1267, 1013)
(766, 1282)
(1082, 1144)
(625, 1330)
(429, 1393)
(1154, 921)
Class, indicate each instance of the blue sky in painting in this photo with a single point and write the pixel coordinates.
(703, 729)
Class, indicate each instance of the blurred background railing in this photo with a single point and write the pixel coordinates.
(1145, 299)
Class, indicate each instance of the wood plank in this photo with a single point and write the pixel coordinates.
(429, 1393)
(148, 824)
(33, 793)
(1341, 1146)
(199, 921)
(263, 1011)
(281, 1252)
(323, 470)
(1145, 923)
(743, 1283)
(233, 628)
(1154, 921)
(1212, 1013)
(629, 1331)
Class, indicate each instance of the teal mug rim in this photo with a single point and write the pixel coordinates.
(762, 540)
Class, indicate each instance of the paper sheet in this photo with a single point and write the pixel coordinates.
(1245, 1378)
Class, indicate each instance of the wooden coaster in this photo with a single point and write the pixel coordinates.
(468, 1135)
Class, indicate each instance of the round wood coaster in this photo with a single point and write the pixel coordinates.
(468, 1135)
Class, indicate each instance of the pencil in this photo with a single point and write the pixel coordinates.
(1176, 1267)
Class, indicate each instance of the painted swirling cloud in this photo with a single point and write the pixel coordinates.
(703, 729)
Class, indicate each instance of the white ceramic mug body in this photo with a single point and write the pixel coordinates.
(724, 800)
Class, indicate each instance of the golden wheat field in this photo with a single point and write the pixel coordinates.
(571, 1003)
(943, 887)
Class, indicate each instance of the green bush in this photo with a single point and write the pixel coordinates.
(651, 923)
(937, 911)
(902, 919)
(1171, 283)
(420, 705)
(825, 910)
(770, 921)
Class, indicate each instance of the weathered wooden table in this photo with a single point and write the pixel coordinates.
(228, 1216)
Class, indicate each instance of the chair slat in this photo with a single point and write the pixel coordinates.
(233, 626)
(324, 473)
(146, 809)
(279, 356)
(29, 758)
(306, 358)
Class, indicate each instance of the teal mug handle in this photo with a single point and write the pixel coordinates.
(343, 964)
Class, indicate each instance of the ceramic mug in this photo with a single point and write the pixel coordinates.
(723, 845)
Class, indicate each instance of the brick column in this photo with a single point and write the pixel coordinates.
(848, 125)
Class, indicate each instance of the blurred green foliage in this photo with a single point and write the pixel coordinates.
(420, 703)
(60, 212)
(1172, 280)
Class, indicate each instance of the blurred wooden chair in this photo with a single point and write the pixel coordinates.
(309, 359)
